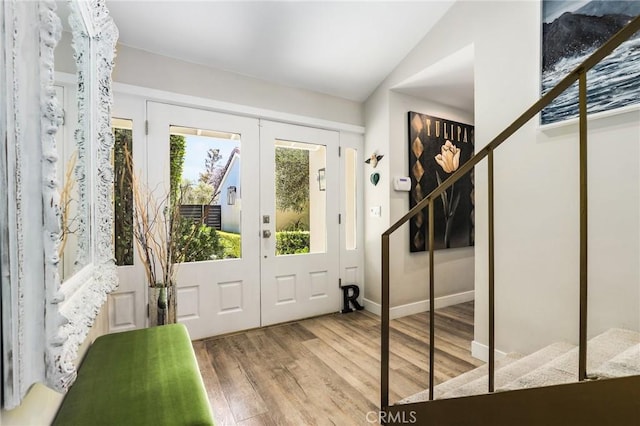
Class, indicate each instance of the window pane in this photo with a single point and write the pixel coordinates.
(300, 198)
(350, 185)
(205, 179)
(122, 195)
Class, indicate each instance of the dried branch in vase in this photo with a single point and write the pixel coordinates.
(66, 223)
(163, 237)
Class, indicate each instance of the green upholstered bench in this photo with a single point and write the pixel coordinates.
(140, 377)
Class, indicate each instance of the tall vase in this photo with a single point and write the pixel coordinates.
(162, 305)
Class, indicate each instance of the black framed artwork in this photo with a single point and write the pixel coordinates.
(437, 148)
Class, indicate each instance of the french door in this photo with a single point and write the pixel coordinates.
(218, 290)
(282, 206)
(299, 173)
(274, 188)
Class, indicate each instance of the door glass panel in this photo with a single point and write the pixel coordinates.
(350, 185)
(122, 194)
(300, 198)
(206, 183)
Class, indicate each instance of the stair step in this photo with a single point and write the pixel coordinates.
(460, 380)
(543, 376)
(614, 353)
(600, 349)
(513, 371)
(625, 364)
(463, 379)
(564, 369)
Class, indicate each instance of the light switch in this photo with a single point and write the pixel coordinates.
(375, 211)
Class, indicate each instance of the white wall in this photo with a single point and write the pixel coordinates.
(536, 186)
(454, 269)
(376, 139)
(409, 271)
(140, 68)
(537, 235)
(145, 69)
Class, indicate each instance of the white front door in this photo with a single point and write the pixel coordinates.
(283, 179)
(299, 205)
(218, 287)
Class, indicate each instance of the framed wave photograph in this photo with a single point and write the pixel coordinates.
(571, 31)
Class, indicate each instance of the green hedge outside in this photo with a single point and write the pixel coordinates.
(196, 242)
(287, 242)
(292, 242)
(231, 244)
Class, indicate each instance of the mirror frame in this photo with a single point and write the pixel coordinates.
(43, 322)
(80, 299)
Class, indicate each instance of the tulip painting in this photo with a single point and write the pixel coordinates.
(449, 160)
(449, 157)
(438, 148)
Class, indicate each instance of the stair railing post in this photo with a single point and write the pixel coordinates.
(582, 358)
(432, 338)
(384, 341)
(491, 283)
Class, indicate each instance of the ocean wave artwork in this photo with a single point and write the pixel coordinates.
(572, 30)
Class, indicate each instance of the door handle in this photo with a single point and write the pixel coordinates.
(266, 233)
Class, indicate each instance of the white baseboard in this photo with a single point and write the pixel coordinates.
(420, 306)
(481, 351)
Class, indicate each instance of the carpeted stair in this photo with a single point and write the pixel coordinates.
(461, 380)
(625, 364)
(614, 353)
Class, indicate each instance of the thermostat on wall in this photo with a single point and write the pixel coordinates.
(402, 183)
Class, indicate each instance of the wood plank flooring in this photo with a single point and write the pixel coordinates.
(326, 370)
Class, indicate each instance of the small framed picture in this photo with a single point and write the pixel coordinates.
(322, 183)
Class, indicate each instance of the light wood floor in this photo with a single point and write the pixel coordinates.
(326, 370)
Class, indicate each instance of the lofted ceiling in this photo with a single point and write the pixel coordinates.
(340, 48)
(449, 81)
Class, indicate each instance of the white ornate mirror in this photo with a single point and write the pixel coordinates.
(45, 319)
(93, 36)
